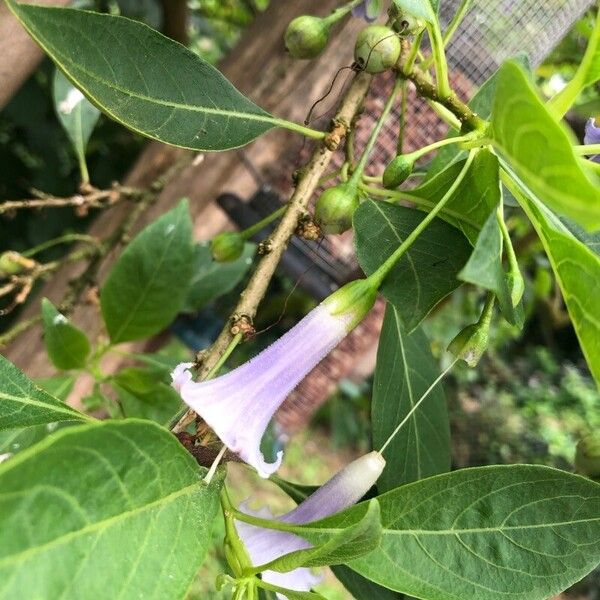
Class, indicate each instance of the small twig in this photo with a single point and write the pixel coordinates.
(93, 199)
(469, 119)
(96, 253)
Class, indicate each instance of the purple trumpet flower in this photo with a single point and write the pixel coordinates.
(343, 490)
(239, 405)
(592, 136)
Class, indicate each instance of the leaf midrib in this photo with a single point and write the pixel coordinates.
(52, 407)
(98, 525)
(408, 380)
(63, 60)
(455, 532)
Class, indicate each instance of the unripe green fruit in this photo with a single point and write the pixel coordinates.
(13, 263)
(470, 343)
(587, 456)
(377, 49)
(227, 246)
(397, 172)
(335, 207)
(306, 36)
(406, 24)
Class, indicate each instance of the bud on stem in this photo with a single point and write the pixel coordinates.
(470, 344)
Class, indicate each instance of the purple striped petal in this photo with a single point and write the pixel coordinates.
(343, 490)
(239, 405)
(592, 136)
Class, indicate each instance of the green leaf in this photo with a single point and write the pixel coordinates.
(126, 515)
(422, 9)
(476, 197)
(540, 150)
(373, 8)
(426, 273)
(291, 594)
(484, 269)
(591, 240)
(23, 404)
(577, 270)
(68, 347)
(147, 286)
(345, 541)
(481, 103)
(59, 386)
(296, 491)
(144, 80)
(18, 439)
(212, 279)
(77, 115)
(144, 393)
(360, 587)
(587, 74)
(405, 370)
(520, 532)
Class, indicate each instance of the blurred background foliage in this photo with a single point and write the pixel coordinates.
(530, 399)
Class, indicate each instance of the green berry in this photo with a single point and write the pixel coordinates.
(335, 207)
(397, 171)
(306, 36)
(377, 49)
(406, 24)
(227, 246)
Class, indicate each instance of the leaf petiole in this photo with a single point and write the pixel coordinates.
(380, 274)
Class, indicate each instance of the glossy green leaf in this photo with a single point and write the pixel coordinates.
(67, 346)
(296, 491)
(18, 439)
(587, 74)
(23, 404)
(405, 370)
(148, 284)
(360, 587)
(474, 200)
(144, 80)
(591, 240)
(76, 113)
(147, 394)
(212, 279)
(521, 532)
(126, 515)
(577, 269)
(481, 103)
(540, 150)
(349, 540)
(59, 386)
(289, 594)
(484, 269)
(426, 273)
(373, 8)
(422, 9)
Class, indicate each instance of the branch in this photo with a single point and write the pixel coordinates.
(96, 254)
(92, 198)
(278, 241)
(469, 119)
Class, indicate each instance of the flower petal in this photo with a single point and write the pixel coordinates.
(239, 405)
(592, 136)
(265, 545)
